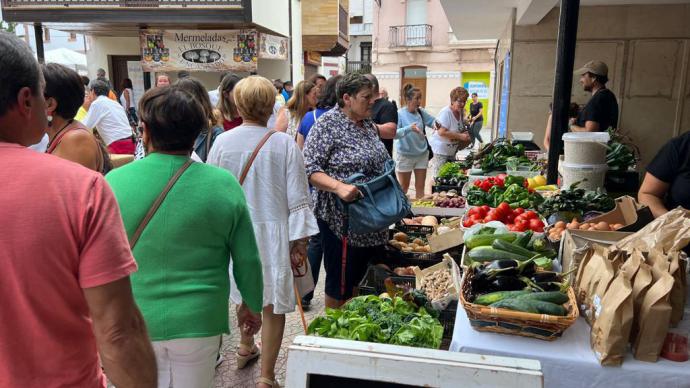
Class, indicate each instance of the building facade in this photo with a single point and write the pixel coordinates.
(413, 43)
(361, 23)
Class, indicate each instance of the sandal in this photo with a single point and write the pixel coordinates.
(243, 360)
(267, 381)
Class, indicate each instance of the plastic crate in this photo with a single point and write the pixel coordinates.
(447, 319)
(439, 188)
(420, 231)
(373, 281)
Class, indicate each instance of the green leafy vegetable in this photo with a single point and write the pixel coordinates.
(372, 319)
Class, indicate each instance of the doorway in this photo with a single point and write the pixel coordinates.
(118, 70)
(415, 75)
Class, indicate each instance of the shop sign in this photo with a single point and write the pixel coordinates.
(273, 47)
(197, 50)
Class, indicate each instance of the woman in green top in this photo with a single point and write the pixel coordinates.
(183, 254)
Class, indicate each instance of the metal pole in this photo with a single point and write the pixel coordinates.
(38, 34)
(565, 58)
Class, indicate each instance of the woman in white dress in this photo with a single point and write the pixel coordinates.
(278, 197)
(302, 101)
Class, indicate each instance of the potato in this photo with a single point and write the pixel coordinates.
(406, 249)
(574, 224)
(400, 236)
(585, 226)
(560, 225)
(603, 226)
(418, 241)
(616, 226)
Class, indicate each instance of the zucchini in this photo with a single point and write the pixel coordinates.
(487, 253)
(556, 297)
(523, 239)
(512, 248)
(515, 304)
(530, 306)
(479, 240)
(494, 297)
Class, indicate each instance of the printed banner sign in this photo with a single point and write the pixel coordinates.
(197, 50)
(273, 47)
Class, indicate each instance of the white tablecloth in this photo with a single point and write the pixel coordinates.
(569, 360)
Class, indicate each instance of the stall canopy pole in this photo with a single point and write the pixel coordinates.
(38, 34)
(565, 58)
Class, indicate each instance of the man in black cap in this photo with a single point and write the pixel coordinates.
(601, 112)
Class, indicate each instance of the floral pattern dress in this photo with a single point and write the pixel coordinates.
(339, 148)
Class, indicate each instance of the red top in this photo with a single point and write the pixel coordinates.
(66, 234)
(228, 125)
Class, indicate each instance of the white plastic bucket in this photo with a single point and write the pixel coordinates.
(586, 148)
(595, 175)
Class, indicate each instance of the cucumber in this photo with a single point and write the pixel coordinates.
(479, 240)
(487, 253)
(515, 304)
(512, 248)
(556, 297)
(494, 297)
(530, 306)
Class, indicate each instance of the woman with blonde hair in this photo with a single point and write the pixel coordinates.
(275, 185)
(302, 101)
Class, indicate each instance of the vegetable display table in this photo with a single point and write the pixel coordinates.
(569, 361)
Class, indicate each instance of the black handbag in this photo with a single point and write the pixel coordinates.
(428, 146)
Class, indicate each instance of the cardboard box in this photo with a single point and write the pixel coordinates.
(445, 241)
(627, 212)
(576, 243)
(438, 211)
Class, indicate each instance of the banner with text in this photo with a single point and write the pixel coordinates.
(273, 47)
(196, 50)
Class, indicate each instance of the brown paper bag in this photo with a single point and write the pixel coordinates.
(658, 259)
(613, 321)
(632, 264)
(642, 282)
(655, 315)
(670, 232)
(679, 290)
(581, 269)
(595, 280)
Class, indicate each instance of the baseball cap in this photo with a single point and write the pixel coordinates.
(594, 67)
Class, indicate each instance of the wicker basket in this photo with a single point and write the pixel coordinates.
(504, 321)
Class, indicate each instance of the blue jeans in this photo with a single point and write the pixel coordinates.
(315, 255)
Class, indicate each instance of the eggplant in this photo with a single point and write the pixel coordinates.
(545, 277)
(549, 286)
(507, 283)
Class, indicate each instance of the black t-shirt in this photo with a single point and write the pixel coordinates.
(474, 110)
(601, 108)
(384, 112)
(672, 165)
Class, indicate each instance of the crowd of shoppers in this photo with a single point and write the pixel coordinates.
(226, 200)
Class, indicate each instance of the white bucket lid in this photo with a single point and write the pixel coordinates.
(591, 167)
(597, 137)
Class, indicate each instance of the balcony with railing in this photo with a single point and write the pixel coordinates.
(358, 67)
(412, 36)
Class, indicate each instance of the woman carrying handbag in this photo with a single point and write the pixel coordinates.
(270, 168)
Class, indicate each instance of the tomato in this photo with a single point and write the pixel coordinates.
(491, 217)
(476, 218)
(519, 227)
(511, 227)
(467, 223)
(485, 208)
(510, 218)
(505, 208)
(519, 210)
(478, 182)
(530, 214)
(473, 211)
(536, 225)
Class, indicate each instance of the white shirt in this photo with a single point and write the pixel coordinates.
(42, 145)
(132, 99)
(109, 118)
(272, 120)
(441, 145)
(278, 198)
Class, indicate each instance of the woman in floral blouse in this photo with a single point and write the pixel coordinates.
(344, 141)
